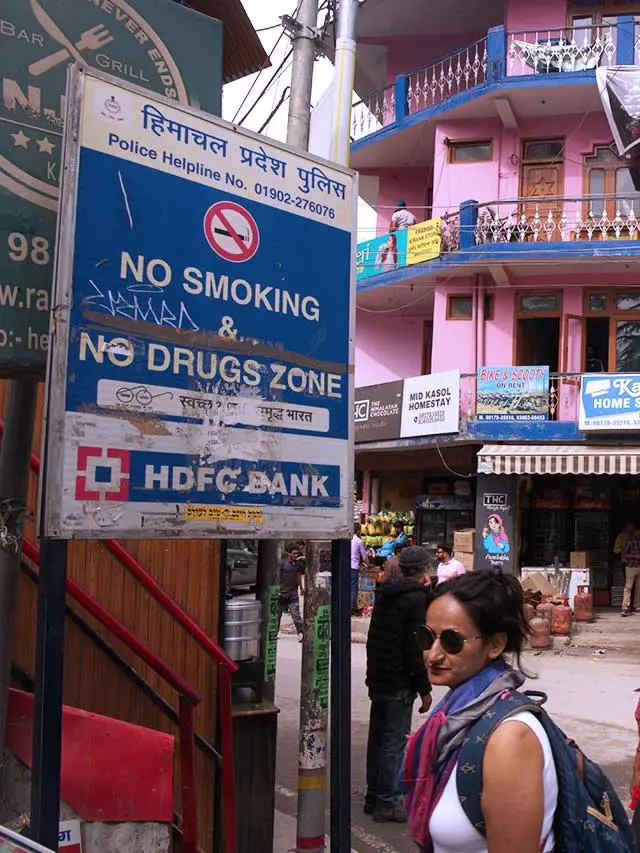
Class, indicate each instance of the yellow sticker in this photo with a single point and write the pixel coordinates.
(196, 512)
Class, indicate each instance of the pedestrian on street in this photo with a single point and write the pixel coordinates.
(448, 566)
(358, 559)
(291, 587)
(395, 676)
(620, 541)
(472, 622)
(631, 560)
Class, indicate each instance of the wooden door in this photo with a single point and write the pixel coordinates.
(540, 181)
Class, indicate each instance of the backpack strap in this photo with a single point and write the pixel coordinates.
(471, 756)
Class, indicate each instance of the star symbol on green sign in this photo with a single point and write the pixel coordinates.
(20, 139)
(45, 145)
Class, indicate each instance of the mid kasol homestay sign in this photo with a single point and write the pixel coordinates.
(158, 44)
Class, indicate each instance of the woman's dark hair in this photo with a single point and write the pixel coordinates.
(495, 603)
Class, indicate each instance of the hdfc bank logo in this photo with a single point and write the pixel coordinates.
(102, 475)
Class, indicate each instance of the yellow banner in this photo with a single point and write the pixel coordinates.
(225, 514)
(424, 241)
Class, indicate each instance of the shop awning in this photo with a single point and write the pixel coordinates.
(557, 459)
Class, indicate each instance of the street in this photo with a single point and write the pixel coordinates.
(591, 697)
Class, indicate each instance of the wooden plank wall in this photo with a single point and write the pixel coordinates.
(189, 571)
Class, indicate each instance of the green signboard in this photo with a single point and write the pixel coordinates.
(157, 44)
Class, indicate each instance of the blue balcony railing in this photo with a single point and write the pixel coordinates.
(494, 59)
(505, 221)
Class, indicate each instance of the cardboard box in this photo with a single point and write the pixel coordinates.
(537, 582)
(579, 559)
(463, 541)
(466, 560)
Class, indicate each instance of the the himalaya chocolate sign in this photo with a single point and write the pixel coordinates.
(377, 412)
(418, 406)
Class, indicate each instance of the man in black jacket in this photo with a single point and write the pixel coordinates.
(395, 676)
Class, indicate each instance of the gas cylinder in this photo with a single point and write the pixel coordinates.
(540, 637)
(561, 620)
(529, 611)
(583, 605)
(544, 610)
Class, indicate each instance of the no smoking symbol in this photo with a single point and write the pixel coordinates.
(231, 231)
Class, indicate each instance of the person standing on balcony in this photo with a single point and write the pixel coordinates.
(401, 218)
(593, 363)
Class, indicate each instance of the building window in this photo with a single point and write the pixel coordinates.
(460, 307)
(542, 304)
(628, 302)
(608, 186)
(470, 152)
(597, 302)
(543, 149)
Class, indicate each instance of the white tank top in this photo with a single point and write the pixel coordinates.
(450, 828)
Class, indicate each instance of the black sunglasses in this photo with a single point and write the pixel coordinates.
(452, 642)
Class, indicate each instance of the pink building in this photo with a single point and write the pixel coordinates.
(493, 122)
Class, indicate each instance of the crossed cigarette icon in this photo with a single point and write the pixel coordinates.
(92, 39)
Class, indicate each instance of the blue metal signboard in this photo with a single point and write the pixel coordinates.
(200, 379)
(610, 402)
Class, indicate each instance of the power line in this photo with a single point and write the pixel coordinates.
(283, 97)
(273, 79)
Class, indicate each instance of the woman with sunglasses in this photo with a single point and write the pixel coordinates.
(473, 623)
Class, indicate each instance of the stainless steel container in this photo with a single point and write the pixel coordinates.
(242, 628)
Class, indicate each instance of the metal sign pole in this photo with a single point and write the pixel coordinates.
(340, 779)
(47, 718)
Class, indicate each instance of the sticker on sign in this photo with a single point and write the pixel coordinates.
(231, 231)
(69, 838)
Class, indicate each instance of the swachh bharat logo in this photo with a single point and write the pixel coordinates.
(39, 39)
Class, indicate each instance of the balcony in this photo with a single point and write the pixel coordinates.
(506, 231)
(498, 60)
(555, 220)
(520, 418)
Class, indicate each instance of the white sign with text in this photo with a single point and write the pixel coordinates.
(431, 404)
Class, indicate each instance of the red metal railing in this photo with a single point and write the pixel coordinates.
(188, 698)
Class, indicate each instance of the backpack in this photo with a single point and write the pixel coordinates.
(589, 816)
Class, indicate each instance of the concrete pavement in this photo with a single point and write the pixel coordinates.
(591, 696)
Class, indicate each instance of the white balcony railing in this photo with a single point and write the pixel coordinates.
(456, 73)
(558, 219)
(560, 50)
(373, 112)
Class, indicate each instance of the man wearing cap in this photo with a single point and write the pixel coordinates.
(401, 218)
(395, 676)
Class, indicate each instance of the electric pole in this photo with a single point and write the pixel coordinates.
(314, 685)
(326, 646)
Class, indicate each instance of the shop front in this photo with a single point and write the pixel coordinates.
(571, 503)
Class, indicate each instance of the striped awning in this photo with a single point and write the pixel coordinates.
(557, 459)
